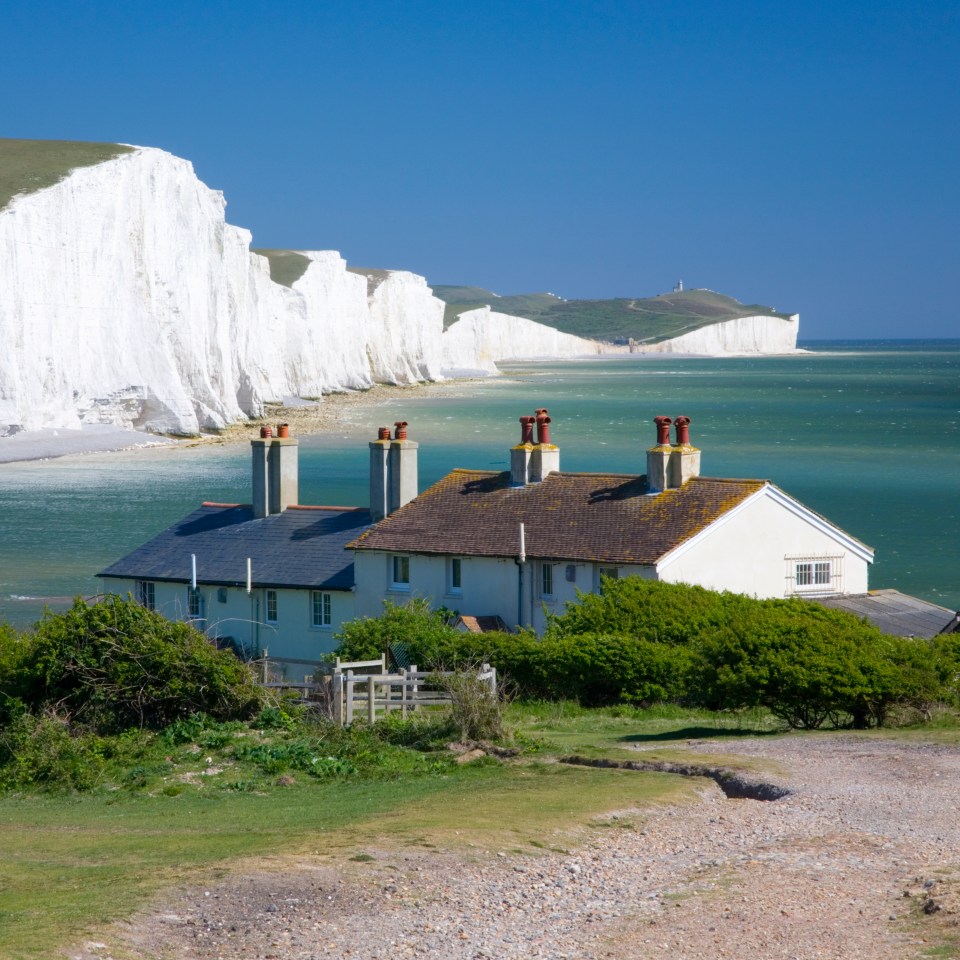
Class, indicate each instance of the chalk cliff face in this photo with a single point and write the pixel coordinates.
(125, 297)
(745, 335)
(479, 338)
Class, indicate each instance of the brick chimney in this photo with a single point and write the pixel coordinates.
(393, 470)
(670, 466)
(275, 471)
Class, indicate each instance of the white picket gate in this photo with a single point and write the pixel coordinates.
(357, 691)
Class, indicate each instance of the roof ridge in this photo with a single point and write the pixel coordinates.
(213, 503)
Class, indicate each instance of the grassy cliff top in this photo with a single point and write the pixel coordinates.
(30, 165)
(648, 319)
(286, 266)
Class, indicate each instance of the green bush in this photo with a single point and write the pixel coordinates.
(809, 665)
(425, 634)
(115, 665)
(41, 752)
(644, 641)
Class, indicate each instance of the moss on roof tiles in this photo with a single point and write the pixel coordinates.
(606, 517)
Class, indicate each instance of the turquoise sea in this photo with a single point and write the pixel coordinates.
(867, 433)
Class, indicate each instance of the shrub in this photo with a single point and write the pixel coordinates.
(475, 709)
(424, 632)
(40, 751)
(116, 665)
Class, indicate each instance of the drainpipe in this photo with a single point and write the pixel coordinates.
(520, 561)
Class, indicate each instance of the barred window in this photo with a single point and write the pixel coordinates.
(814, 575)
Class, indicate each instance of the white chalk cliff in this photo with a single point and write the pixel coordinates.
(744, 335)
(478, 339)
(126, 298)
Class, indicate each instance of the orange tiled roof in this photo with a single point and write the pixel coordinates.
(576, 516)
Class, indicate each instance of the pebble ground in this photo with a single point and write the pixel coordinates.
(841, 869)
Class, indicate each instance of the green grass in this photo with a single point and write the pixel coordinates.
(30, 165)
(612, 732)
(71, 865)
(74, 863)
(204, 798)
(647, 320)
(286, 266)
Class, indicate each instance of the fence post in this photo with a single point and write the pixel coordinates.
(266, 667)
(492, 671)
(371, 701)
(348, 686)
(413, 686)
(337, 692)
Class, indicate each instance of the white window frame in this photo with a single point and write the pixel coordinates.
(455, 576)
(195, 604)
(270, 599)
(399, 571)
(814, 575)
(146, 594)
(548, 581)
(321, 609)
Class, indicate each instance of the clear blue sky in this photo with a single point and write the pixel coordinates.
(804, 155)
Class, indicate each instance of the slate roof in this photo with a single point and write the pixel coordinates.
(571, 516)
(895, 613)
(301, 547)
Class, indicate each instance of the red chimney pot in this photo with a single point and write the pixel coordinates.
(543, 427)
(526, 429)
(401, 431)
(283, 430)
(663, 430)
(683, 431)
(383, 433)
(266, 433)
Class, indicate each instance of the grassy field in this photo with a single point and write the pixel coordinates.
(73, 863)
(648, 320)
(30, 165)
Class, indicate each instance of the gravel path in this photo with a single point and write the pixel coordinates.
(840, 868)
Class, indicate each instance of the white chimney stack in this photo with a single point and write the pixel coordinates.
(275, 471)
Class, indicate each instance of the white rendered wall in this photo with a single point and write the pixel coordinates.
(747, 552)
(243, 617)
(489, 586)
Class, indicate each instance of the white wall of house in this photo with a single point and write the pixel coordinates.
(293, 642)
(770, 546)
(489, 586)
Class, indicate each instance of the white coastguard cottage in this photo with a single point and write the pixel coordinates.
(518, 544)
(268, 576)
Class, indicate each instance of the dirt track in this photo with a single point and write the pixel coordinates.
(843, 867)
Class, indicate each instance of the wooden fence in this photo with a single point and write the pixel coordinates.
(363, 688)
